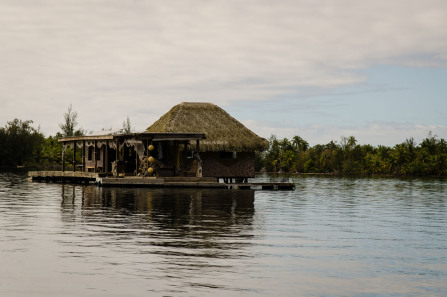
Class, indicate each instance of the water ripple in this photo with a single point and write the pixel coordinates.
(332, 236)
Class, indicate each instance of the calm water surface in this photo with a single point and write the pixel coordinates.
(329, 237)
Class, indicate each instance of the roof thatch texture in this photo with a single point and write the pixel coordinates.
(223, 132)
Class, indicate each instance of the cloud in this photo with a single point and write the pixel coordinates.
(116, 58)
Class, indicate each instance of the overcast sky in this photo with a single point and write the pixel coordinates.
(376, 70)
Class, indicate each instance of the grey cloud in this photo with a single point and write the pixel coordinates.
(101, 54)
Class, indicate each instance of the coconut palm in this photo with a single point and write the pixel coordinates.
(300, 143)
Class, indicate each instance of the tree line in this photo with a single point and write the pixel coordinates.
(429, 158)
(22, 145)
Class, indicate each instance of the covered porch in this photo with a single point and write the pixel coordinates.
(136, 154)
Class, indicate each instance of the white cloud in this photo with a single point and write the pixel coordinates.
(113, 59)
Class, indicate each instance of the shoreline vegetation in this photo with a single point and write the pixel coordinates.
(429, 158)
(23, 147)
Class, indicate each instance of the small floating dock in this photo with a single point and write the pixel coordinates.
(159, 182)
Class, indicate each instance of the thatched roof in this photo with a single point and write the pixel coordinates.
(223, 132)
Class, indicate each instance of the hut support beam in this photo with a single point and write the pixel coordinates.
(74, 156)
(136, 161)
(95, 156)
(83, 155)
(117, 150)
(106, 158)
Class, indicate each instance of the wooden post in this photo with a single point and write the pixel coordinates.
(117, 150)
(63, 157)
(176, 158)
(106, 158)
(136, 160)
(83, 155)
(95, 155)
(74, 156)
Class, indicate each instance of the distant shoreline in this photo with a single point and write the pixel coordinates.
(349, 175)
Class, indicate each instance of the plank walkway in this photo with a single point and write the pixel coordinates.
(164, 182)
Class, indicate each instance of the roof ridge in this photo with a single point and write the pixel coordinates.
(196, 103)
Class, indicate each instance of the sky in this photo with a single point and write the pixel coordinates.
(321, 69)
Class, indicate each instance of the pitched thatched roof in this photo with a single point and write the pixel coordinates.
(223, 132)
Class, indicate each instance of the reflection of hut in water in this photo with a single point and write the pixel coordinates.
(203, 213)
(183, 206)
(212, 223)
(191, 140)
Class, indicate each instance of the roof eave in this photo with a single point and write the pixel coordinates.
(141, 136)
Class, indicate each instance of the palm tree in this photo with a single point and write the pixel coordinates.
(284, 144)
(288, 158)
(301, 144)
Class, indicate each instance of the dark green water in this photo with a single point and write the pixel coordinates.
(332, 236)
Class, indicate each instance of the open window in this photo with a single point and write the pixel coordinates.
(228, 155)
(90, 152)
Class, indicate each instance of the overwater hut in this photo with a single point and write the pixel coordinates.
(228, 151)
(191, 140)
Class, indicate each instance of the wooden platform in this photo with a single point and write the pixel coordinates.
(168, 182)
(161, 182)
(63, 176)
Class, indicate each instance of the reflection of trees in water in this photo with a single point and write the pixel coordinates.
(189, 218)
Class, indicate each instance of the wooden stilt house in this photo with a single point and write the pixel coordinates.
(191, 140)
(227, 152)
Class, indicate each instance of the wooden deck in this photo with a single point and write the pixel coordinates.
(168, 182)
(160, 182)
(63, 176)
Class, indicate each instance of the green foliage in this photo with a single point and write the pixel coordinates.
(69, 126)
(20, 144)
(348, 157)
(51, 152)
(23, 145)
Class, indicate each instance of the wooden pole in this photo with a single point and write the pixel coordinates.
(117, 150)
(83, 155)
(63, 157)
(106, 158)
(95, 155)
(74, 156)
(176, 158)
